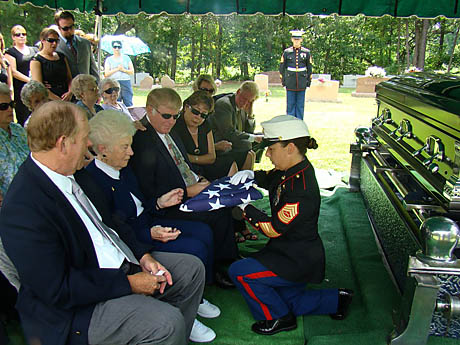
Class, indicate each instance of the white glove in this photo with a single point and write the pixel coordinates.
(242, 176)
(243, 206)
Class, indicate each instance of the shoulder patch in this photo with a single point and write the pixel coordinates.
(288, 212)
(268, 229)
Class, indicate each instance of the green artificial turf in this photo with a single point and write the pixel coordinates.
(353, 261)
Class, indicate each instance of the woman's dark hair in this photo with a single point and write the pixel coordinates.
(302, 144)
(200, 97)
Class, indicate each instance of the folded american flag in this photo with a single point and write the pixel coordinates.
(221, 193)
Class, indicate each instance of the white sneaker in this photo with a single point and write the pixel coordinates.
(208, 310)
(201, 333)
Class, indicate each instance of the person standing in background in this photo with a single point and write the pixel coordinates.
(119, 67)
(295, 71)
(78, 50)
(19, 57)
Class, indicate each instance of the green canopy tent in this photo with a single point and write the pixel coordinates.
(397, 8)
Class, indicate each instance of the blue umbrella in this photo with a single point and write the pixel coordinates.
(131, 45)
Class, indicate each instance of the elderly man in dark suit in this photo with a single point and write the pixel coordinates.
(84, 277)
(77, 49)
(233, 121)
(160, 163)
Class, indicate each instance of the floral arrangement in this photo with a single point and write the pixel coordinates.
(413, 69)
(267, 93)
(376, 72)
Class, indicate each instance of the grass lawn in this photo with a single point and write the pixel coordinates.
(331, 124)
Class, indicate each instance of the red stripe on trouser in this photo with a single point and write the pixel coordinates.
(248, 289)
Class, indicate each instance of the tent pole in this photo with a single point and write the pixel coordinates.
(453, 49)
(98, 33)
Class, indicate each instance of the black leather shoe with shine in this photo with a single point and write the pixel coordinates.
(345, 297)
(222, 280)
(269, 327)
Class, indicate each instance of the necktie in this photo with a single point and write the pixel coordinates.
(239, 120)
(185, 171)
(108, 233)
(71, 47)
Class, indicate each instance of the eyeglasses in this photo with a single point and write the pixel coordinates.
(67, 28)
(116, 47)
(168, 116)
(20, 34)
(110, 90)
(204, 116)
(5, 106)
(52, 40)
(93, 89)
(206, 90)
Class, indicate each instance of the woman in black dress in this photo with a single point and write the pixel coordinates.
(51, 68)
(196, 134)
(19, 57)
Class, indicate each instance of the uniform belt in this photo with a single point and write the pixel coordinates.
(297, 69)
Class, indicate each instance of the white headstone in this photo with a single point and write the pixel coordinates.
(262, 82)
(166, 81)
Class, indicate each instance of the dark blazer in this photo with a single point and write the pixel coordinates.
(84, 63)
(61, 281)
(152, 164)
(224, 124)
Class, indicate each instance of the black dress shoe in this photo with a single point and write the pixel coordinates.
(269, 327)
(345, 297)
(222, 280)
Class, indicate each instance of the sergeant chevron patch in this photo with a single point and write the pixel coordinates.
(288, 212)
(268, 229)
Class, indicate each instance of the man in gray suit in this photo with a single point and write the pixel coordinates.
(77, 49)
(233, 122)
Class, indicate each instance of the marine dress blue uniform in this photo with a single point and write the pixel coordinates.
(295, 70)
(273, 280)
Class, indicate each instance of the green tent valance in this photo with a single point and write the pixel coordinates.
(398, 8)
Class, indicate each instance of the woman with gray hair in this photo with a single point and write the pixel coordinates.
(110, 89)
(111, 134)
(85, 89)
(13, 141)
(204, 82)
(33, 94)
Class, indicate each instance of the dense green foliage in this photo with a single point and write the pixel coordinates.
(236, 47)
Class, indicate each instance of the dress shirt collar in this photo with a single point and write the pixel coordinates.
(113, 173)
(62, 182)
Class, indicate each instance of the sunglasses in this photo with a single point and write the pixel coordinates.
(5, 106)
(116, 47)
(20, 34)
(204, 116)
(206, 90)
(52, 40)
(110, 90)
(168, 116)
(67, 28)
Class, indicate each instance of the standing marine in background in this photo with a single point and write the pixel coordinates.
(295, 71)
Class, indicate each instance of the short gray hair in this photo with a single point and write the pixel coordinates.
(250, 86)
(107, 126)
(204, 77)
(32, 88)
(5, 90)
(107, 81)
(80, 84)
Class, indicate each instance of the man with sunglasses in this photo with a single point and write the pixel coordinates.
(160, 163)
(78, 50)
(120, 67)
